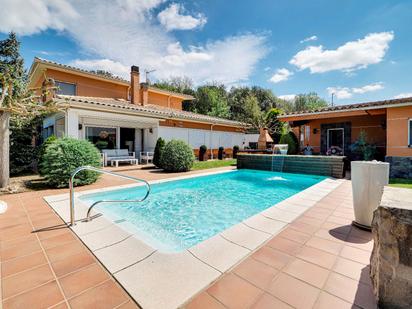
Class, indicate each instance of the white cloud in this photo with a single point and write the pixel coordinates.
(350, 56)
(308, 39)
(340, 92)
(281, 75)
(287, 97)
(368, 88)
(103, 64)
(403, 95)
(32, 16)
(173, 19)
(347, 93)
(266, 69)
(128, 32)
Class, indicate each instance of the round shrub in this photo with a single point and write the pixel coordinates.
(177, 156)
(290, 139)
(235, 151)
(202, 152)
(220, 153)
(63, 156)
(160, 145)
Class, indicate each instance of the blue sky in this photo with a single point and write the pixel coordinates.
(358, 50)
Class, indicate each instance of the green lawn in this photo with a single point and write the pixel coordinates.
(401, 183)
(201, 165)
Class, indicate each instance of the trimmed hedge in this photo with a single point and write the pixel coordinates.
(177, 156)
(290, 139)
(220, 153)
(160, 145)
(235, 151)
(62, 156)
(202, 152)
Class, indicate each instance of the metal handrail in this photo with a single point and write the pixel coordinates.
(91, 168)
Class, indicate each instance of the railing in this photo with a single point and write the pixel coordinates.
(91, 168)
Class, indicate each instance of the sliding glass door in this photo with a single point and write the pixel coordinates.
(102, 137)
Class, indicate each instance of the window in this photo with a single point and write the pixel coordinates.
(410, 132)
(59, 127)
(65, 88)
(47, 132)
(102, 137)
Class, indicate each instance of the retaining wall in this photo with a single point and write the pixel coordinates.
(401, 167)
(316, 165)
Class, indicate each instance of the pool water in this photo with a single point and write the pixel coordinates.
(181, 213)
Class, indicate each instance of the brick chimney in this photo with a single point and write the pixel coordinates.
(145, 94)
(135, 84)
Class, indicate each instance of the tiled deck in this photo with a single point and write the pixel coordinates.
(320, 260)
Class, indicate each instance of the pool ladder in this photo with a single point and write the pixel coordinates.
(94, 169)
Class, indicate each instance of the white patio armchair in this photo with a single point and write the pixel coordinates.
(146, 156)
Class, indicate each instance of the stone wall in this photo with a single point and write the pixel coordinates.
(316, 165)
(401, 167)
(391, 259)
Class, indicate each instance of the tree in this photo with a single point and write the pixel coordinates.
(252, 114)
(218, 103)
(265, 97)
(12, 87)
(309, 101)
(181, 85)
(177, 84)
(212, 100)
(237, 97)
(237, 102)
(15, 99)
(275, 127)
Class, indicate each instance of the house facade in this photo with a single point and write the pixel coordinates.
(115, 113)
(386, 124)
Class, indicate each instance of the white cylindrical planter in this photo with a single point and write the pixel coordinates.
(368, 180)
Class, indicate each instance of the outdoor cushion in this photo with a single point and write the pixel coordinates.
(109, 152)
(122, 153)
(116, 153)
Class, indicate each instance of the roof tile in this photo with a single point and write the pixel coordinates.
(149, 109)
(365, 105)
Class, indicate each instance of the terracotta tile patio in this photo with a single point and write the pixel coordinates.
(45, 265)
(319, 261)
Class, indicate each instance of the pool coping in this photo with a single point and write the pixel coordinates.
(167, 280)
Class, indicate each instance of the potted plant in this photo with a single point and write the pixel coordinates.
(235, 151)
(202, 153)
(368, 180)
(220, 153)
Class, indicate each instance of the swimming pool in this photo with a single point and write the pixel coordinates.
(181, 213)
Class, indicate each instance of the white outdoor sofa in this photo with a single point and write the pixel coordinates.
(114, 156)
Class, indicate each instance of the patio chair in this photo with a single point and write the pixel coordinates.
(146, 156)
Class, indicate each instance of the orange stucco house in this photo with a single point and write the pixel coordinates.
(130, 113)
(387, 124)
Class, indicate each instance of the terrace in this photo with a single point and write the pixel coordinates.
(318, 252)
